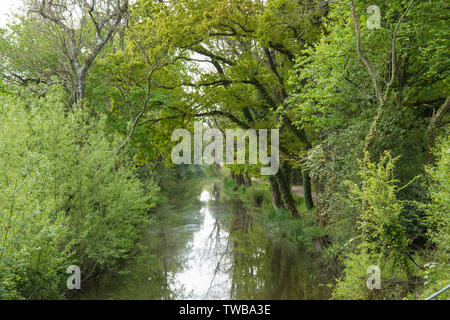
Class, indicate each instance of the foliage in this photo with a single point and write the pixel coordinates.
(359, 111)
(67, 198)
(300, 231)
(437, 271)
(382, 237)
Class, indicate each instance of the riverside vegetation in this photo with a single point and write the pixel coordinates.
(91, 91)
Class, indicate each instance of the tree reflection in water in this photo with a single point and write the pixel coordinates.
(206, 248)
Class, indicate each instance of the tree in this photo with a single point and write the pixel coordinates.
(240, 54)
(74, 32)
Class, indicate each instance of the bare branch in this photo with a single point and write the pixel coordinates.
(394, 51)
(363, 58)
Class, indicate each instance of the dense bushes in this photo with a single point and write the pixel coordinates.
(382, 238)
(66, 198)
(437, 220)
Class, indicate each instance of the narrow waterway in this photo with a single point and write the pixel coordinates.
(204, 248)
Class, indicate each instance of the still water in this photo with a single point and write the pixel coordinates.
(205, 248)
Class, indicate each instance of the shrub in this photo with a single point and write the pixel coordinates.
(66, 198)
(383, 240)
(437, 219)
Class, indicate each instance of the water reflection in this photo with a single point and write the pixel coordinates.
(206, 249)
(205, 196)
(205, 276)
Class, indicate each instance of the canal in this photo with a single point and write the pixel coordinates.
(202, 247)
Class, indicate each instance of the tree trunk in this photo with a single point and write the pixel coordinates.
(321, 220)
(287, 173)
(240, 180)
(81, 88)
(248, 180)
(307, 190)
(276, 195)
(286, 193)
